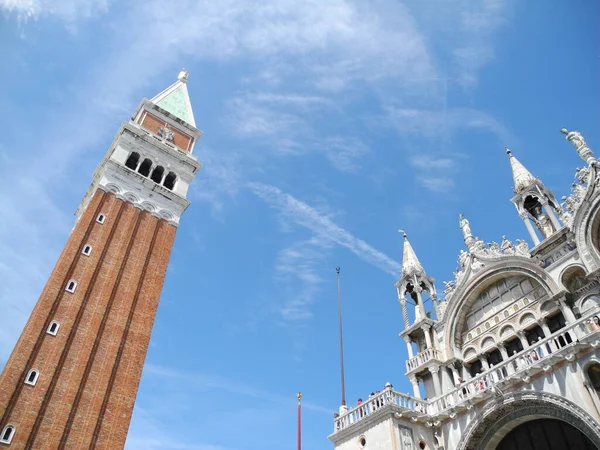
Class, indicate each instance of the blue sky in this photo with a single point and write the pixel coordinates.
(328, 126)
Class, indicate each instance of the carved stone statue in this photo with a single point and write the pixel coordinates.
(166, 133)
(464, 226)
(578, 190)
(570, 203)
(493, 249)
(462, 258)
(582, 175)
(448, 286)
(545, 225)
(507, 246)
(576, 138)
(522, 248)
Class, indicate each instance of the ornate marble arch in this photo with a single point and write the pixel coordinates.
(586, 224)
(461, 302)
(499, 417)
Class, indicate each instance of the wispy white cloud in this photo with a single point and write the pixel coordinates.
(298, 269)
(68, 10)
(443, 123)
(439, 184)
(298, 213)
(479, 19)
(436, 172)
(219, 383)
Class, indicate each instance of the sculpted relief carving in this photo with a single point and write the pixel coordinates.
(406, 439)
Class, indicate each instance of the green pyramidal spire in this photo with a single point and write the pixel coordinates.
(176, 100)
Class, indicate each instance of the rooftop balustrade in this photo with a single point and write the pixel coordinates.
(429, 354)
(539, 357)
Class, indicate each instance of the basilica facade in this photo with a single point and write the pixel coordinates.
(508, 356)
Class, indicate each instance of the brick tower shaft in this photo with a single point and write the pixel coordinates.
(72, 378)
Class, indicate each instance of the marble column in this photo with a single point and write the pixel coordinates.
(415, 385)
(484, 362)
(426, 329)
(409, 347)
(435, 374)
(523, 339)
(532, 233)
(552, 215)
(567, 312)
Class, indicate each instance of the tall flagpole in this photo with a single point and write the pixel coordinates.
(299, 396)
(337, 269)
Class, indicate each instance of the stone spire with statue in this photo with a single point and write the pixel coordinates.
(576, 138)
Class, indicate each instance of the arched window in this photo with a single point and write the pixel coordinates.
(7, 434)
(32, 377)
(132, 160)
(170, 180)
(53, 328)
(145, 167)
(71, 286)
(157, 174)
(574, 278)
(87, 249)
(101, 218)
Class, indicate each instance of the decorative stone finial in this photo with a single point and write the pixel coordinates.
(508, 152)
(575, 138)
(183, 76)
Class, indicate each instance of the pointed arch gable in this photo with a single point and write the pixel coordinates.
(465, 296)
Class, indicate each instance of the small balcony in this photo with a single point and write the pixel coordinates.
(422, 358)
(541, 357)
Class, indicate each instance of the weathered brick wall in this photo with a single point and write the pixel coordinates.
(90, 371)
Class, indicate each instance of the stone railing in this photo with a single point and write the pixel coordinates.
(387, 399)
(539, 357)
(422, 357)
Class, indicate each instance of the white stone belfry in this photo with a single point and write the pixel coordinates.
(150, 161)
(413, 282)
(534, 202)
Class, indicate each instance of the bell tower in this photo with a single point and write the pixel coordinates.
(72, 378)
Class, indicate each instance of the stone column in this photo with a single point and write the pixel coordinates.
(567, 312)
(455, 374)
(523, 339)
(552, 215)
(484, 362)
(420, 305)
(503, 351)
(544, 324)
(447, 379)
(436, 306)
(409, 347)
(435, 374)
(465, 371)
(532, 233)
(415, 385)
(426, 329)
(404, 312)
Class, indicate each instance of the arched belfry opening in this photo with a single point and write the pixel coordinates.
(535, 203)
